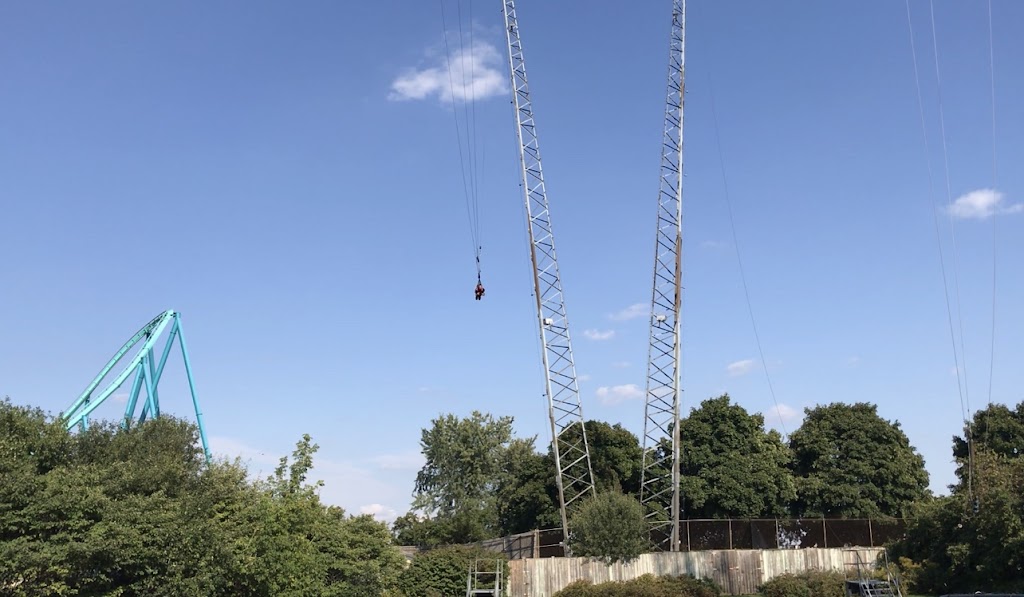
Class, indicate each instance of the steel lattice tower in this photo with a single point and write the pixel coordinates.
(659, 488)
(575, 477)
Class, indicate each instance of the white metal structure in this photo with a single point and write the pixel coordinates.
(575, 477)
(659, 488)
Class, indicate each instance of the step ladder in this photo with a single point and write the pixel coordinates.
(485, 581)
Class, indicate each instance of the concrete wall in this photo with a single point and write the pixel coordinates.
(738, 572)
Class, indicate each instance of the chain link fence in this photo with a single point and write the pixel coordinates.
(718, 534)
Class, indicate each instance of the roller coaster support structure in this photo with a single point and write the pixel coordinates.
(146, 371)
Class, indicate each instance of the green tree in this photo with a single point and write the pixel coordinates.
(615, 456)
(459, 481)
(996, 429)
(850, 462)
(972, 538)
(526, 492)
(609, 527)
(730, 467)
(138, 511)
(360, 555)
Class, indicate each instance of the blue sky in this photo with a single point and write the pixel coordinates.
(287, 177)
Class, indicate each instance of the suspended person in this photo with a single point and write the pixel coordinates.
(479, 291)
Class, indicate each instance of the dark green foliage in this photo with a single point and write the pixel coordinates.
(442, 572)
(995, 429)
(479, 482)
(527, 495)
(951, 548)
(645, 586)
(615, 456)
(730, 467)
(851, 463)
(139, 512)
(814, 583)
(609, 527)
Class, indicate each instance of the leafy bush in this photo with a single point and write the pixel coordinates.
(646, 586)
(813, 583)
(138, 511)
(609, 527)
(443, 571)
(785, 585)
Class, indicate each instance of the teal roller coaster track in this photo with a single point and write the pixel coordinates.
(147, 372)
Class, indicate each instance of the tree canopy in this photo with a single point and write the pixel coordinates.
(974, 537)
(996, 429)
(138, 511)
(850, 462)
(615, 456)
(527, 495)
(730, 467)
(480, 482)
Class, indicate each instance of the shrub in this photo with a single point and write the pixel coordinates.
(785, 585)
(813, 583)
(443, 571)
(609, 527)
(645, 586)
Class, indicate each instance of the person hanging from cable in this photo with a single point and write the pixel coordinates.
(479, 290)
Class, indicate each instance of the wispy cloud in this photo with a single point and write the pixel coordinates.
(713, 244)
(852, 362)
(379, 511)
(599, 334)
(403, 461)
(583, 377)
(781, 416)
(740, 367)
(621, 364)
(630, 312)
(609, 395)
(470, 73)
(981, 204)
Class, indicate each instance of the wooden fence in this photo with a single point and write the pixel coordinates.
(738, 572)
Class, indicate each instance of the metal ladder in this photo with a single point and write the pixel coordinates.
(484, 582)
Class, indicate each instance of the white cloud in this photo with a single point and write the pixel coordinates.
(630, 312)
(786, 412)
(740, 367)
(621, 364)
(781, 415)
(610, 395)
(981, 204)
(120, 397)
(713, 244)
(599, 334)
(853, 362)
(583, 377)
(405, 461)
(379, 511)
(470, 73)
